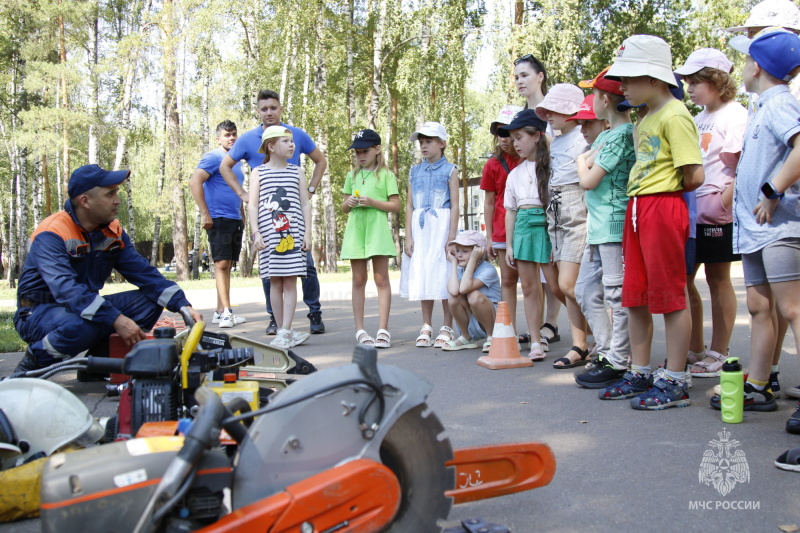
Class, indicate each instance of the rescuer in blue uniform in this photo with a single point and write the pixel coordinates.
(60, 312)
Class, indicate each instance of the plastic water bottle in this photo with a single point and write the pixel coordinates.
(732, 391)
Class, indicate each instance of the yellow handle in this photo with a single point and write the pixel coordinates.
(188, 349)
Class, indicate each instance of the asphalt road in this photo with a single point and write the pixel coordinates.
(617, 469)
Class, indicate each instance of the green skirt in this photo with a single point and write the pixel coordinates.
(531, 242)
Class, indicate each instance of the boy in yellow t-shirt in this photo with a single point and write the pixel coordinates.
(668, 163)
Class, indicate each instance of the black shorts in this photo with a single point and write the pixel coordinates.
(225, 239)
(715, 244)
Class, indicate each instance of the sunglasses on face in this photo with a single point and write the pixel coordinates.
(530, 59)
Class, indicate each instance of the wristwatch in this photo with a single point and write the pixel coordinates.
(770, 192)
(311, 189)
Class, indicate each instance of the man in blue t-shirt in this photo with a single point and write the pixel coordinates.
(221, 216)
(269, 109)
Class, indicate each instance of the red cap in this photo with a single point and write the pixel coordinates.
(602, 83)
(586, 111)
(229, 378)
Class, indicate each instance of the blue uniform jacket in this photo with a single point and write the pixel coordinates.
(68, 265)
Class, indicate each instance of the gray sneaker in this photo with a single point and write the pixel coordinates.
(283, 340)
(299, 337)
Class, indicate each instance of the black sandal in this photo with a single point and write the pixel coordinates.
(570, 364)
(524, 338)
(556, 337)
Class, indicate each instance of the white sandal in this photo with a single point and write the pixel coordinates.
(442, 340)
(362, 337)
(461, 343)
(424, 339)
(383, 339)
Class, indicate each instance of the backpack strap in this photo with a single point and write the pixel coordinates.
(503, 162)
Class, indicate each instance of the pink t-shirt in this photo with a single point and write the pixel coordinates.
(720, 132)
(521, 187)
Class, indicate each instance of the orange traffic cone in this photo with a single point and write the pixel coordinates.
(504, 352)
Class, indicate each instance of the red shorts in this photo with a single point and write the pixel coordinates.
(653, 250)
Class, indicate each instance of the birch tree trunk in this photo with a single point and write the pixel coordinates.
(204, 128)
(351, 91)
(94, 90)
(173, 141)
(62, 56)
(377, 65)
(156, 248)
(22, 206)
(321, 86)
(123, 128)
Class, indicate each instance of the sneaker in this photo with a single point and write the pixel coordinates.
(793, 424)
(593, 363)
(316, 322)
(628, 386)
(299, 337)
(774, 384)
(754, 400)
(283, 340)
(272, 329)
(600, 377)
(218, 317)
(789, 460)
(226, 320)
(660, 373)
(663, 394)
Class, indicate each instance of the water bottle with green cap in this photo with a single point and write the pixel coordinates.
(732, 391)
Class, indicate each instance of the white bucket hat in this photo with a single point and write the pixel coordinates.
(705, 57)
(563, 98)
(783, 13)
(430, 129)
(504, 117)
(643, 55)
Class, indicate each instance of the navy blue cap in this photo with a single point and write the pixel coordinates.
(88, 177)
(677, 92)
(526, 117)
(365, 139)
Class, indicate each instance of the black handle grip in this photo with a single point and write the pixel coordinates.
(104, 365)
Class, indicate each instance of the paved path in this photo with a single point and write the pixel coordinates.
(618, 469)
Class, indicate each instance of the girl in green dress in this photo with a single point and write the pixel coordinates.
(370, 192)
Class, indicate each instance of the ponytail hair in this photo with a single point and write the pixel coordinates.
(542, 160)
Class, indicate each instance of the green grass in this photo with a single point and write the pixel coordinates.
(207, 282)
(9, 340)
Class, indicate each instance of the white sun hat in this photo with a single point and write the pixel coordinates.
(643, 55)
(783, 13)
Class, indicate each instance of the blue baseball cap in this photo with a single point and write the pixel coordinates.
(676, 91)
(365, 139)
(526, 117)
(775, 49)
(88, 177)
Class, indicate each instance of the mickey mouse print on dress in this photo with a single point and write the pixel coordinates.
(280, 221)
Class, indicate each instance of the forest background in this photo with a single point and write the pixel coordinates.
(141, 84)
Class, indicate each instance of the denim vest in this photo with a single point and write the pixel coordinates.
(429, 187)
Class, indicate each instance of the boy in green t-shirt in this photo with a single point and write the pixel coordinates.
(656, 224)
(603, 171)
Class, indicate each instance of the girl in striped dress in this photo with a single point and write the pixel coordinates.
(279, 208)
